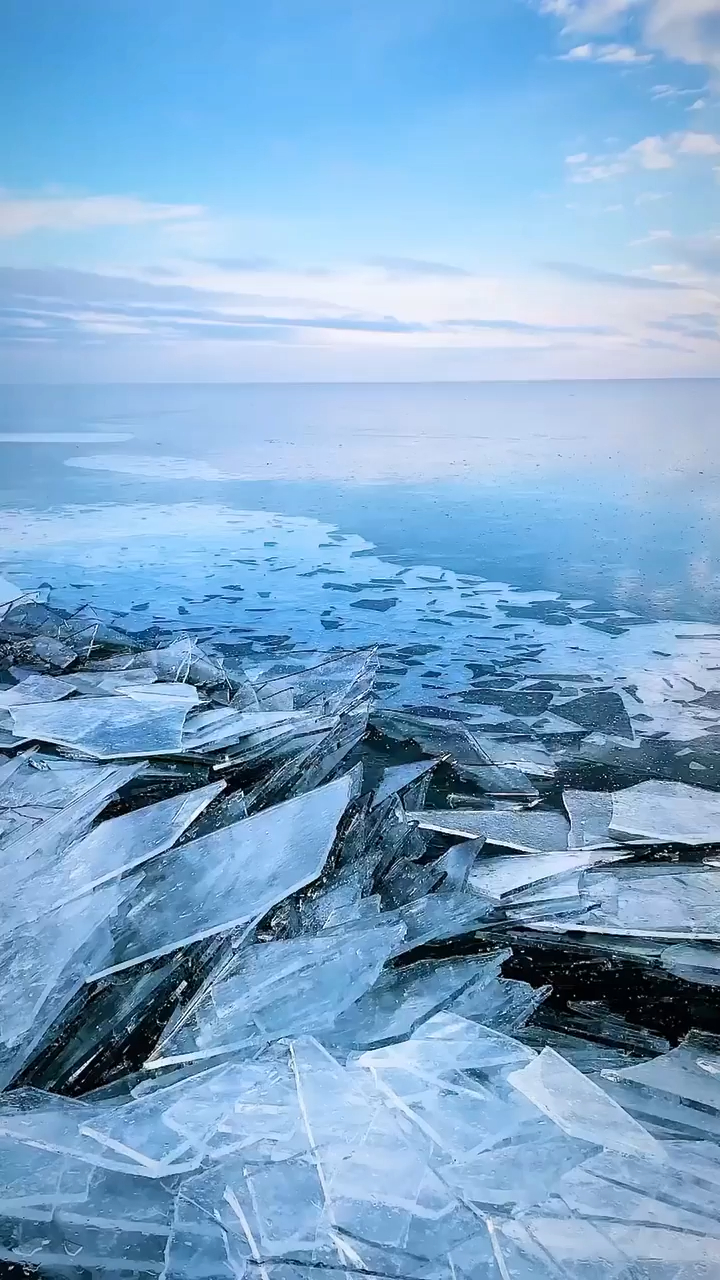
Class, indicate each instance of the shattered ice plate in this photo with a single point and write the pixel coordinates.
(302, 978)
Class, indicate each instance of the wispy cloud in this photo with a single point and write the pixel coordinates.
(704, 325)
(655, 152)
(685, 29)
(700, 253)
(408, 267)
(20, 215)
(620, 54)
(594, 275)
(522, 326)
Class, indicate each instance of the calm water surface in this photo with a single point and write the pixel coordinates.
(602, 492)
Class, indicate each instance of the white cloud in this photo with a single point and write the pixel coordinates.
(581, 53)
(697, 144)
(652, 153)
(685, 29)
(20, 215)
(587, 15)
(622, 54)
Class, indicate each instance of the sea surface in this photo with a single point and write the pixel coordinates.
(463, 519)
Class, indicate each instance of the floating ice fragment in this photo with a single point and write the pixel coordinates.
(531, 831)
(666, 811)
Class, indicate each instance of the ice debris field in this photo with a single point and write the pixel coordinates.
(299, 981)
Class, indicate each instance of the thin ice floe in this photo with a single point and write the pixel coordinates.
(231, 877)
(273, 1003)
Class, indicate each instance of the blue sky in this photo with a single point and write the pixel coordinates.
(359, 189)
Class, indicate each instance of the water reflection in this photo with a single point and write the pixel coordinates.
(606, 490)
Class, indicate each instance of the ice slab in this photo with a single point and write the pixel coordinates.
(398, 777)
(666, 812)
(375, 1180)
(504, 1004)
(439, 916)
(646, 902)
(527, 831)
(616, 1188)
(690, 1073)
(46, 840)
(48, 781)
(31, 1178)
(434, 735)
(233, 876)
(402, 999)
(693, 963)
(124, 843)
(107, 728)
(457, 863)
(34, 955)
(166, 1130)
(590, 814)
(501, 877)
(281, 989)
(524, 753)
(50, 1123)
(580, 1108)
(52, 878)
(502, 782)
(35, 688)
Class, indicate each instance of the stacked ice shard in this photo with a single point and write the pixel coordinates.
(274, 992)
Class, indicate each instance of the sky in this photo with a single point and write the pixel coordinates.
(321, 190)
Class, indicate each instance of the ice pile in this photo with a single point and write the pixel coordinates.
(253, 1014)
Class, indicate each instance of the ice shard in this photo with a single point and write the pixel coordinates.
(504, 876)
(396, 779)
(231, 877)
(402, 999)
(280, 989)
(580, 1108)
(35, 688)
(441, 915)
(124, 843)
(693, 963)
(375, 1181)
(590, 814)
(33, 956)
(107, 728)
(53, 877)
(527, 831)
(666, 812)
